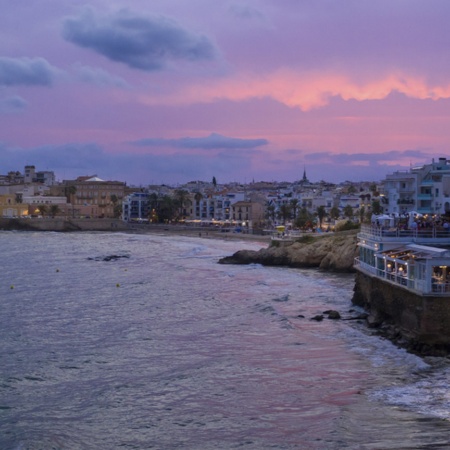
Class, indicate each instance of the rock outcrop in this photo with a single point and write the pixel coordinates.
(335, 252)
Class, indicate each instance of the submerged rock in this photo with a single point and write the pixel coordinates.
(317, 318)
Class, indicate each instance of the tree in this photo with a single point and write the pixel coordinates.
(181, 199)
(198, 197)
(54, 210)
(335, 213)
(69, 191)
(321, 213)
(362, 214)
(348, 211)
(42, 209)
(294, 207)
(304, 219)
(376, 207)
(270, 212)
(285, 212)
(117, 207)
(152, 207)
(166, 209)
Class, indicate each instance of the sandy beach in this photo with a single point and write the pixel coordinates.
(200, 232)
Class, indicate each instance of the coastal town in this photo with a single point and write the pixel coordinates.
(422, 193)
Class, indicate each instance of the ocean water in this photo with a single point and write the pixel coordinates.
(123, 341)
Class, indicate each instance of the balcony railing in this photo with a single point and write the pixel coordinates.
(374, 231)
(417, 285)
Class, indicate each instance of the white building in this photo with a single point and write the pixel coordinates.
(425, 189)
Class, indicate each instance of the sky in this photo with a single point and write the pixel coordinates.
(172, 91)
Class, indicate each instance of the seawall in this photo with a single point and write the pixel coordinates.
(62, 224)
(420, 323)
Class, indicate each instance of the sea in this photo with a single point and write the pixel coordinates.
(143, 341)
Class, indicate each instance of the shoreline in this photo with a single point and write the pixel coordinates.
(66, 225)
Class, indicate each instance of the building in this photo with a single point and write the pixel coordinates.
(424, 189)
(11, 207)
(93, 197)
(247, 214)
(136, 207)
(403, 280)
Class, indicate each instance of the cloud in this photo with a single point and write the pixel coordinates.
(245, 12)
(387, 158)
(305, 90)
(141, 42)
(213, 141)
(26, 71)
(14, 104)
(99, 77)
(71, 160)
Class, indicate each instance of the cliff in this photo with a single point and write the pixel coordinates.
(333, 252)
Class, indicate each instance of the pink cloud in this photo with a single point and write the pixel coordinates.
(307, 91)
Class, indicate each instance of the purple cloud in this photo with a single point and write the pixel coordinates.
(141, 42)
(26, 71)
(213, 141)
(11, 105)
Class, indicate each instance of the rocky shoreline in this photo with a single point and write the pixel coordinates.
(333, 252)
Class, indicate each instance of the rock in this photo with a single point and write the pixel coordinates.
(374, 321)
(317, 318)
(334, 252)
(334, 315)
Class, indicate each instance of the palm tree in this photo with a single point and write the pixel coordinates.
(152, 207)
(69, 192)
(362, 214)
(376, 207)
(270, 212)
(348, 211)
(294, 207)
(335, 213)
(166, 208)
(321, 213)
(42, 210)
(304, 219)
(117, 207)
(285, 212)
(54, 210)
(181, 200)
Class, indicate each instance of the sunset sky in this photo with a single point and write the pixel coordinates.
(169, 91)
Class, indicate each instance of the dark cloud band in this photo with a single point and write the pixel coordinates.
(213, 141)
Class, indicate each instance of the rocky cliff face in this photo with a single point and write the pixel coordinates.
(334, 252)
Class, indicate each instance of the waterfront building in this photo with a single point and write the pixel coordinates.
(214, 206)
(423, 189)
(10, 207)
(136, 207)
(417, 259)
(248, 214)
(93, 197)
(403, 280)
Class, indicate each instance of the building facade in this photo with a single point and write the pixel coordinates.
(424, 189)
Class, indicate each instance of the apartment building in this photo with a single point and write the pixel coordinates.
(93, 197)
(136, 206)
(424, 189)
(248, 214)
